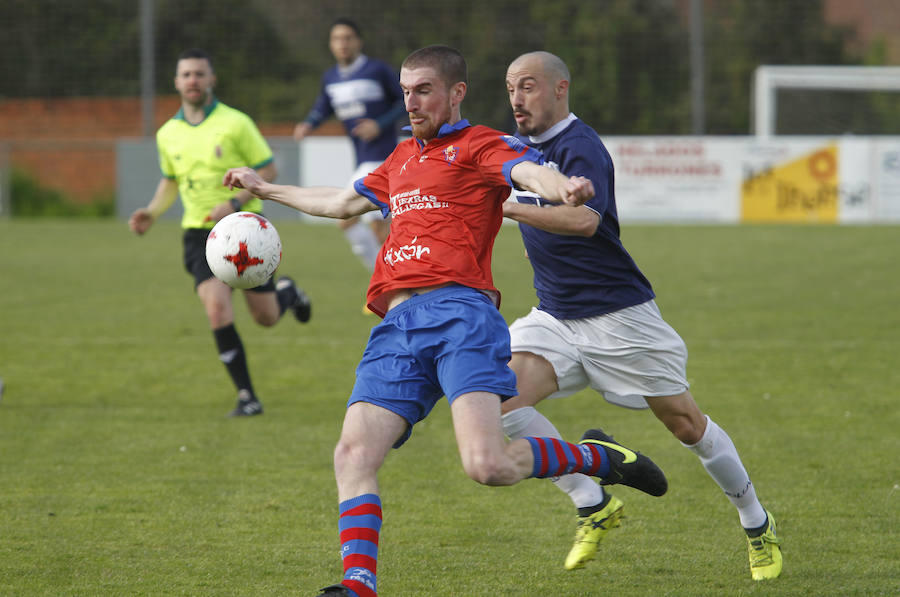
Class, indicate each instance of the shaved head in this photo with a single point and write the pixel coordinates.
(550, 65)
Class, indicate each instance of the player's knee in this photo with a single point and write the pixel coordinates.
(686, 428)
(352, 459)
(343, 456)
(218, 315)
(686, 432)
(486, 469)
(681, 416)
(266, 318)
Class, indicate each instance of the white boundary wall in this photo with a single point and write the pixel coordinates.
(751, 179)
(719, 179)
(658, 179)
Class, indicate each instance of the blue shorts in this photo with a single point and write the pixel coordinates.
(446, 342)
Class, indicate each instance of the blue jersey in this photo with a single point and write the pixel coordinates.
(575, 276)
(368, 88)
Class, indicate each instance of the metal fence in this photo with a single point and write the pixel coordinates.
(101, 70)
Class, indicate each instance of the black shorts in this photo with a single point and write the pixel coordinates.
(195, 259)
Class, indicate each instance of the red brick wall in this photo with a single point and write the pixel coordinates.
(69, 144)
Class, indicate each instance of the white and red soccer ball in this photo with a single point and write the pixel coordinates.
(243, 249)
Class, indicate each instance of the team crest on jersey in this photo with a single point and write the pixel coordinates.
(219, 151)
(450, 154)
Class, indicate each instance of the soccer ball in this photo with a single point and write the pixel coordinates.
(243, 249)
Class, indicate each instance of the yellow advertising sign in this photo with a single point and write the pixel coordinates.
(804, 190)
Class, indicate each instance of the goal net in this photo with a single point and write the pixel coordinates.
(826, 100)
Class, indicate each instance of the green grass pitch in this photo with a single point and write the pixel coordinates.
(120, 475)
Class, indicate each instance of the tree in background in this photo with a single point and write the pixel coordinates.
(629, 57)
(65, 49)
(256, 70)
(743, 35)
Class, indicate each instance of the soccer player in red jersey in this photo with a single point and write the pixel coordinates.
(442, 333)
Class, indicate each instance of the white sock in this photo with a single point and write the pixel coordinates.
(720, 459)
(363, 244)
(528, 422)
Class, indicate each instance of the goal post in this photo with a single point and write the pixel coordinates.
(769, 79)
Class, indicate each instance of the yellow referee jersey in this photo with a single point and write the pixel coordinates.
(198, 155)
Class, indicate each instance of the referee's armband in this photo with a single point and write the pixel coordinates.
(236, 204)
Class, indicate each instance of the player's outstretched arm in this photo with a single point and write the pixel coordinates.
(268, 173)
(330, 202)
(551, 184)
(164, 196)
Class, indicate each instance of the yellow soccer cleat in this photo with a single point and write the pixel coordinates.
(591, 530)
(765, 553)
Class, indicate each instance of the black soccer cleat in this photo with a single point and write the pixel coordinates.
(627, 467)
(247, 405)
(300, 305)
(335, 591)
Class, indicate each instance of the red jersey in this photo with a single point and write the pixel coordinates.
(445, 199)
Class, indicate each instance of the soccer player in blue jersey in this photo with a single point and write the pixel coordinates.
(364, 94)
(196, 147)
(597, 323)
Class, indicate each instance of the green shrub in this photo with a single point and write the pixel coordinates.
(29, 199)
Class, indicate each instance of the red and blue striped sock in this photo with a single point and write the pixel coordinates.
(360, 523)
(555, 457)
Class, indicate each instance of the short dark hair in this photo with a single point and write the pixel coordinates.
(347, 23)
(196, 53)
(447, 61)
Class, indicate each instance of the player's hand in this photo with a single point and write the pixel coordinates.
(366, 129)
(301, 130)
(220, 211)
(141, 220)
(577, 190)
(243, 178)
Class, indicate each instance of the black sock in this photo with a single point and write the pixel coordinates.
(231, 353)
(287, 296)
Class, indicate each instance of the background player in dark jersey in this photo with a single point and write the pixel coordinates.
(196, 146)
(363, 93)
(597, 324)
(442, 333)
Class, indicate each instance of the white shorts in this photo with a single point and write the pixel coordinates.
(361, 171)
(624, 355)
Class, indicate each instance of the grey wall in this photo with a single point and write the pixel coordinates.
(326, 161)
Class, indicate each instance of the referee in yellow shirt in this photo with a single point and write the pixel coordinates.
(196, 147)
